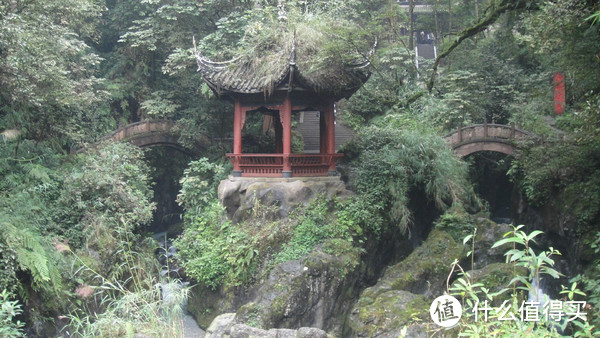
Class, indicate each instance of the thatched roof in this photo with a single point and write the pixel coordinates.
(289, 68)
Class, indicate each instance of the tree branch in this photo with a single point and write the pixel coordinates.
(493, 12)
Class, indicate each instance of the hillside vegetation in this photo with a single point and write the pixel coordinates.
(77, 254)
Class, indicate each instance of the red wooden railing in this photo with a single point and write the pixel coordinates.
(271, 165)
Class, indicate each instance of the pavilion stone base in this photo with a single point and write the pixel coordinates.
(239, 195)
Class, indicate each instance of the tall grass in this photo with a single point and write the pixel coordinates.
(129, 303)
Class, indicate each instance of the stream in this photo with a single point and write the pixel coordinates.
(172, 281)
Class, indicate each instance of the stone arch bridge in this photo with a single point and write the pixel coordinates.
(464, 141)
(486, 137)
(151, 133)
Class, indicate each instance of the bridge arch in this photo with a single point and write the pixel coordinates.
(501, 138)
(152, 133)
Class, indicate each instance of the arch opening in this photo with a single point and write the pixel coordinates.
(488, 171)
(167, 164)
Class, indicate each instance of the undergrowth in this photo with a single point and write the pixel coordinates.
(520, 308)
(214, 251)
(125, 304)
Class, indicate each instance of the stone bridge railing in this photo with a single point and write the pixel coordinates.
(485, 137)
(151, 133)
(140, 128)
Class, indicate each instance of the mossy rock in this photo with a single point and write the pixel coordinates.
(488, 233)
(304, 292)
(250, 314)
(386, 315)
(496, 277)
(426, 268)
(401, 295)
(203, 304)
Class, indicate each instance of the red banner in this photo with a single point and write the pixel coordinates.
(559, 93)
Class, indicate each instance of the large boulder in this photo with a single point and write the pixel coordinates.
(426, 269)
(488, 233)
(221, 326)
(240, 195)
(245, 331)
(387, 314)
(310, 292)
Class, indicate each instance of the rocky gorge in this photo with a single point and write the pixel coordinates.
(384, 289)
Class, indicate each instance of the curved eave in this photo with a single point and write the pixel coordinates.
(231, 77)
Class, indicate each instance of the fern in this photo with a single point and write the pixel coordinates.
(31, 255)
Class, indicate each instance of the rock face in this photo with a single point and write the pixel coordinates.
(240, 194)
(220, 326)
(404, 291)
(488, 233)
(225, 326)
(307, 292)
(320, 290)
(314, 291)
(386, 313)
(245, 331)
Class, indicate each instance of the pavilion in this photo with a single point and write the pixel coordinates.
(289, 85)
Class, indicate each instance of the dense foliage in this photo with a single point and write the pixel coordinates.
(72, 226)
(392, 162)
(216, 252)
(91, 204)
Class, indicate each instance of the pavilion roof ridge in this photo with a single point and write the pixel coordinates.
(245, 77)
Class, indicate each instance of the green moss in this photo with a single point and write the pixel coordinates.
(250, 314)
(388, 312)
(427, 263)
(455, 222)
(278, 306)
(203, 305)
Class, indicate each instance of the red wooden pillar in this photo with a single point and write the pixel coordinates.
(286, 121)
(330, 122)
(238, 123)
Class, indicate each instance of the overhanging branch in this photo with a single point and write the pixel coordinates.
(492, 13)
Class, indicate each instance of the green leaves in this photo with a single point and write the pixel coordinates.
(525, 256)
(9, 309)
(47, 69)
(199, 186)
(106, 189)
(388, 163)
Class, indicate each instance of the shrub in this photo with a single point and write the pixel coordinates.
(214, 251)
(9, 309)
(199, 185)
(104, 191)
(389, 163)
